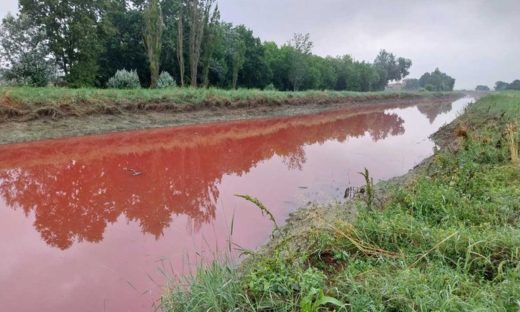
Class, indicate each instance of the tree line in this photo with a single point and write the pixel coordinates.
(84, 43)
(502, 86)
(434, 81)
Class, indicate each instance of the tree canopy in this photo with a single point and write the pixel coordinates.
(89, 41)
(437, 81)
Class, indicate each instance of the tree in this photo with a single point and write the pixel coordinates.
(501, 86)
(152, 38)
(125, 48)
(24, 52)
(209, 43)
(481, 88)
(76, 31)
(411, 84)
(301, 47)
(255, 72)
(389, 68)
(437, 81)
(515, 85)
(198, 16)
(180, 42)
(237, 51)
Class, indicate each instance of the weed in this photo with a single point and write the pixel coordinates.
(262, 208)
(512, 141)
(369, 188)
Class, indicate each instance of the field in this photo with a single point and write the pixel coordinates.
(445, 238)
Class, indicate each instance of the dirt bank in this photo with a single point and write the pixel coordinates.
(22, 124)
(293, 235)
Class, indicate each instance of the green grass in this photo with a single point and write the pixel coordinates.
(58, 96)
(448, 241)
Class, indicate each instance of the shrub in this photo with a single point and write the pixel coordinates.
(270, 87)
(124, 79)
(166, 81)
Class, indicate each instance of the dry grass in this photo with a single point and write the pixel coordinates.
(511, 133)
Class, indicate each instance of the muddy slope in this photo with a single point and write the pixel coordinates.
(17, 125)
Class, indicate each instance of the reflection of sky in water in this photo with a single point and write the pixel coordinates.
(105, 231)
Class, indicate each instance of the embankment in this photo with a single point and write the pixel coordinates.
(28, 114)
(444, 238)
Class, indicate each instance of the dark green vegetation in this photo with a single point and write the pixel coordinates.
(79, 43)
(446, 240)
(502, 86)
(435, 81)
(482, 88)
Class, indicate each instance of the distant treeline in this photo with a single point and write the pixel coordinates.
(83, 43)
(435, 81)
(502, 86)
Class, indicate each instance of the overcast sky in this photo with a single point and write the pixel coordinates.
(475, 41)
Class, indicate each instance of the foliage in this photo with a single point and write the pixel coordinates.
(368, 188)
(24, 53)
(124, 79)
(390, 68)
(482, 88)
(270, 87)
(411, 84)
(502, 86)
(437, 81)
(166, 81)
(447, 241)
(90, 44)
(515, 85)
(76, 37)
(153, 30)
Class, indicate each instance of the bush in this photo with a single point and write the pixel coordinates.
(166, 81)
(270, 87)
(124, 79)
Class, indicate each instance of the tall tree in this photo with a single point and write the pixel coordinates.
(389, 68)
(210, 42)
(76, 31)
(437, 81)
(180, 42)
(501, 86)
(198, 16)
(24, 52)
(237, 50)
(152, 38)
(301, 47)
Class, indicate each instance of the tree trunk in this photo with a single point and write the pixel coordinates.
(180, 47)
(152, 39)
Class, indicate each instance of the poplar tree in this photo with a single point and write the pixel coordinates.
(152, 38)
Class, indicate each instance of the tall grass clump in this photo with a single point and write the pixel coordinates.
(511, 133)
(124, 79)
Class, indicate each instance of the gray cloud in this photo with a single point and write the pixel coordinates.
(476, 41)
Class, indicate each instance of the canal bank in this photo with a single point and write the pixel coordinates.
(100, 220)
(444, 237)
(31, 114)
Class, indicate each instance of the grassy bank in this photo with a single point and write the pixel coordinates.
(34, 103)
(447, 240)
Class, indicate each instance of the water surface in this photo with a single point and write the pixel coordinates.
(90, 224)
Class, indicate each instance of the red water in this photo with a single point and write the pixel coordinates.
(95, 223)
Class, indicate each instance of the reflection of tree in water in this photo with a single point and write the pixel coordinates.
(433, 110)
(74, 200)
